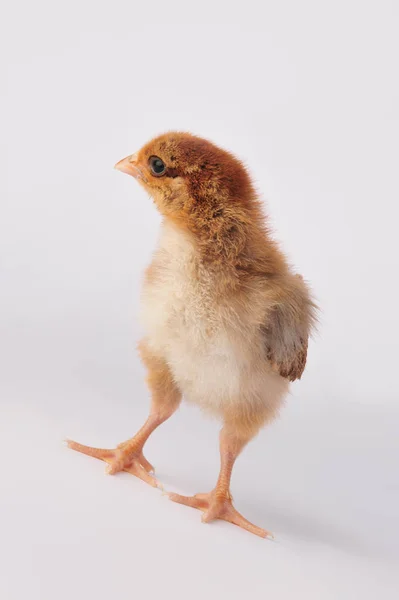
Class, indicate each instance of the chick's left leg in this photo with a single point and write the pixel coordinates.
(218, 503)
(128, 456)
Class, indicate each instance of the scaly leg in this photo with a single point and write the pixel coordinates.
(128, 456)
(218, 503)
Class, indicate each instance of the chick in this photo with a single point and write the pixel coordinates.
(227, 322)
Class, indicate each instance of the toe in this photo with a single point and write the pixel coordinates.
(233, 516)
(136, 469)
(146, 464)
(202, 497)
(100, 453)
(193, 501)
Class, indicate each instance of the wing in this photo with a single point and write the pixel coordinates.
(289, 324)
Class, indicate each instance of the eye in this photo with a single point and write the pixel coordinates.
(157, 166)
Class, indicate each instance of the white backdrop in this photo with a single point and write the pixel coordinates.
(306, 93)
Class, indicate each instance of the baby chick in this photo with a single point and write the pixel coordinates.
(227, 322)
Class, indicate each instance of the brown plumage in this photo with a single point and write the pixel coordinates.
(227, 321)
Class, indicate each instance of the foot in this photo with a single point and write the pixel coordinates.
(219, 507)
(123, 458)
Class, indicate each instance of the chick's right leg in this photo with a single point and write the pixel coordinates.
(218, 504)
(128, 456)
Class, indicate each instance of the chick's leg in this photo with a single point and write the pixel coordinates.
(128, 456)
(218, 503)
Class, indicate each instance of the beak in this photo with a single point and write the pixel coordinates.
(129, 165)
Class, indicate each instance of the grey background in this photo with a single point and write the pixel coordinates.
(307, 95)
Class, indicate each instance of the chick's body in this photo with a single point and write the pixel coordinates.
(227, 322)
(212, 344)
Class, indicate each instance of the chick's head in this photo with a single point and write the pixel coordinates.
(188, 175)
